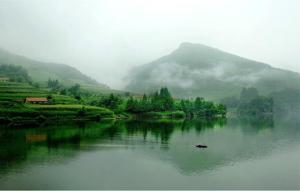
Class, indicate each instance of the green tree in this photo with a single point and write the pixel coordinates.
(258, 106)
(112, 101)
(63, 91)
(221, 109)
(145, 104)
(166, 100)
(199, 109)
(53, 84)
(14, 73)
(155, 102)
(75, 90)
(130, 105)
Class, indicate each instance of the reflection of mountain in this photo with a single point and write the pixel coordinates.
(240, 140)
(228, 141)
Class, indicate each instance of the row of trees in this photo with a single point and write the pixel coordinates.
(201, 108)
(163, 101)
(14, 73)
(159, 101)
(56, 86)
(257, 106)
(250, 102)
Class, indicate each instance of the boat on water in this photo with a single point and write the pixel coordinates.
(201, 146)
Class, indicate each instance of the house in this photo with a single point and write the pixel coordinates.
(36, 100)
(4, 79)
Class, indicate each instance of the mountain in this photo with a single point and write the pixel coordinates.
(198, 70)
(42, 71)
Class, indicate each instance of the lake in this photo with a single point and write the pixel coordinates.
(242, 153)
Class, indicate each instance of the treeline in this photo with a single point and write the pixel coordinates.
(74, 90)
(201, 108)
(163, 101)
(250, 103)
(286, 101)
(112, 101)
(159, 101)
(14, 73)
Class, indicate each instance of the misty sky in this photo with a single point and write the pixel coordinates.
(104, 39)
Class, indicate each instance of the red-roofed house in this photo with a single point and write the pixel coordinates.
(36, 100)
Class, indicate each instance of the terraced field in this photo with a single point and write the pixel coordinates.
(12, 91)
(12, 106)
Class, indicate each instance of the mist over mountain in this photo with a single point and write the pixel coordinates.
(198, 70)
(42, 71)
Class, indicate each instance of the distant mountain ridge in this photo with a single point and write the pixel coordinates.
(199, 70)
(42, 71)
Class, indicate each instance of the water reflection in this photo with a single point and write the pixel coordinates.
(228, 140)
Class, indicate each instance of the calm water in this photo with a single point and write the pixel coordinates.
(241, 154)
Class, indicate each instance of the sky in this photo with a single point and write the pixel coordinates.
(106, 38)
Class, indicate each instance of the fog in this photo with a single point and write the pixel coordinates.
(105, 39)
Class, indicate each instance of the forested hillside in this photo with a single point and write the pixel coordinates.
(199, 70)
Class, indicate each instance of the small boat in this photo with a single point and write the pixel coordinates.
(201, 146)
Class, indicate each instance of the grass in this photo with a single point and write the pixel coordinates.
(57, 111)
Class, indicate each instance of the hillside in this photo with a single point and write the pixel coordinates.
(42, 71)
(198, 70)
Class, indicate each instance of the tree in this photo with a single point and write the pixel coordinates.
(199, 106)
(77, 97)
(14, 73)
(258, 106)
(54, 85)
(187, 107)
(221, 109)
(155, 102)
(210, 109)
(163, 101)
(166, 100)
(63, 91)
(75, 90)
(145, 104)
(112, 101)
(81, 112)
(130, 106)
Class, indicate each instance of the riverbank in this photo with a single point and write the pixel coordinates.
(39, 113)
(35, 114)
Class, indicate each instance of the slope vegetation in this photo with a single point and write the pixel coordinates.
(42, 71)
(198, 70)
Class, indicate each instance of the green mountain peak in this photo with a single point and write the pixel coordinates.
(199, 70)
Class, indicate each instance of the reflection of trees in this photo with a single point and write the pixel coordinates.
(16, 144)
(256, 123)
(202, 124)
(160, 130)
(67, 138)
(13, 150)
